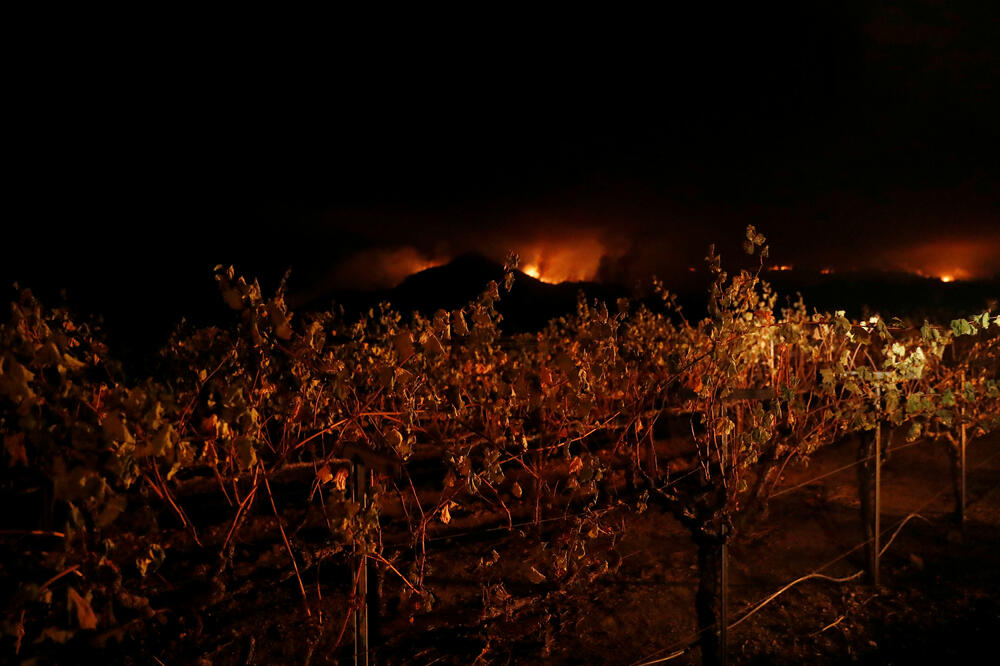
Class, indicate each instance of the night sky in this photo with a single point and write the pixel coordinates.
(859, 135)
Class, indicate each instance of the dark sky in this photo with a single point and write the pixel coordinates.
(853, 134)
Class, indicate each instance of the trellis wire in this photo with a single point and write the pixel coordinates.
(689, 640)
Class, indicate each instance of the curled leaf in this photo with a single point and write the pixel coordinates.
(276, 310)
(446, 512)
(340, 479)
(458, 324)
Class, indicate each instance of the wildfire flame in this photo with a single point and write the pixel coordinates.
(532, 270)
(572, 260)
(551, 259)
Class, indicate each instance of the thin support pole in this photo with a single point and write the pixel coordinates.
(770, 365)
(878, 504)
(961, 453)
(724, 604)
(724, 413)
(361, 474)
(724, 572)
(962, 497)
(537, 489)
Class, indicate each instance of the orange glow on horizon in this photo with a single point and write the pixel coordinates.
(949, 261)
(946, 275)
(588, 254)
(382, 268)
(955, 275)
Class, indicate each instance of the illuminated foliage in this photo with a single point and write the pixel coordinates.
(573, 421)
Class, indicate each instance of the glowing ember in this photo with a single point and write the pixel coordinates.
(947, 278)
(783, 267)
(826, 271)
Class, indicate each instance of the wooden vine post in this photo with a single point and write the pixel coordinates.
(877, 518)
(961, 457)
(724, 603)
(724, 580)
(870, 494)
(361, 635)
(366, 613)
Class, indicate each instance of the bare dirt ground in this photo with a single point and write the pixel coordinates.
(939, 597)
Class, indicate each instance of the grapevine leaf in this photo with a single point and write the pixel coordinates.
(404, 345)
(961, 327)
(246, 453)
(948, 399)
(14, 444)
(113, 507)
(85, 615)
